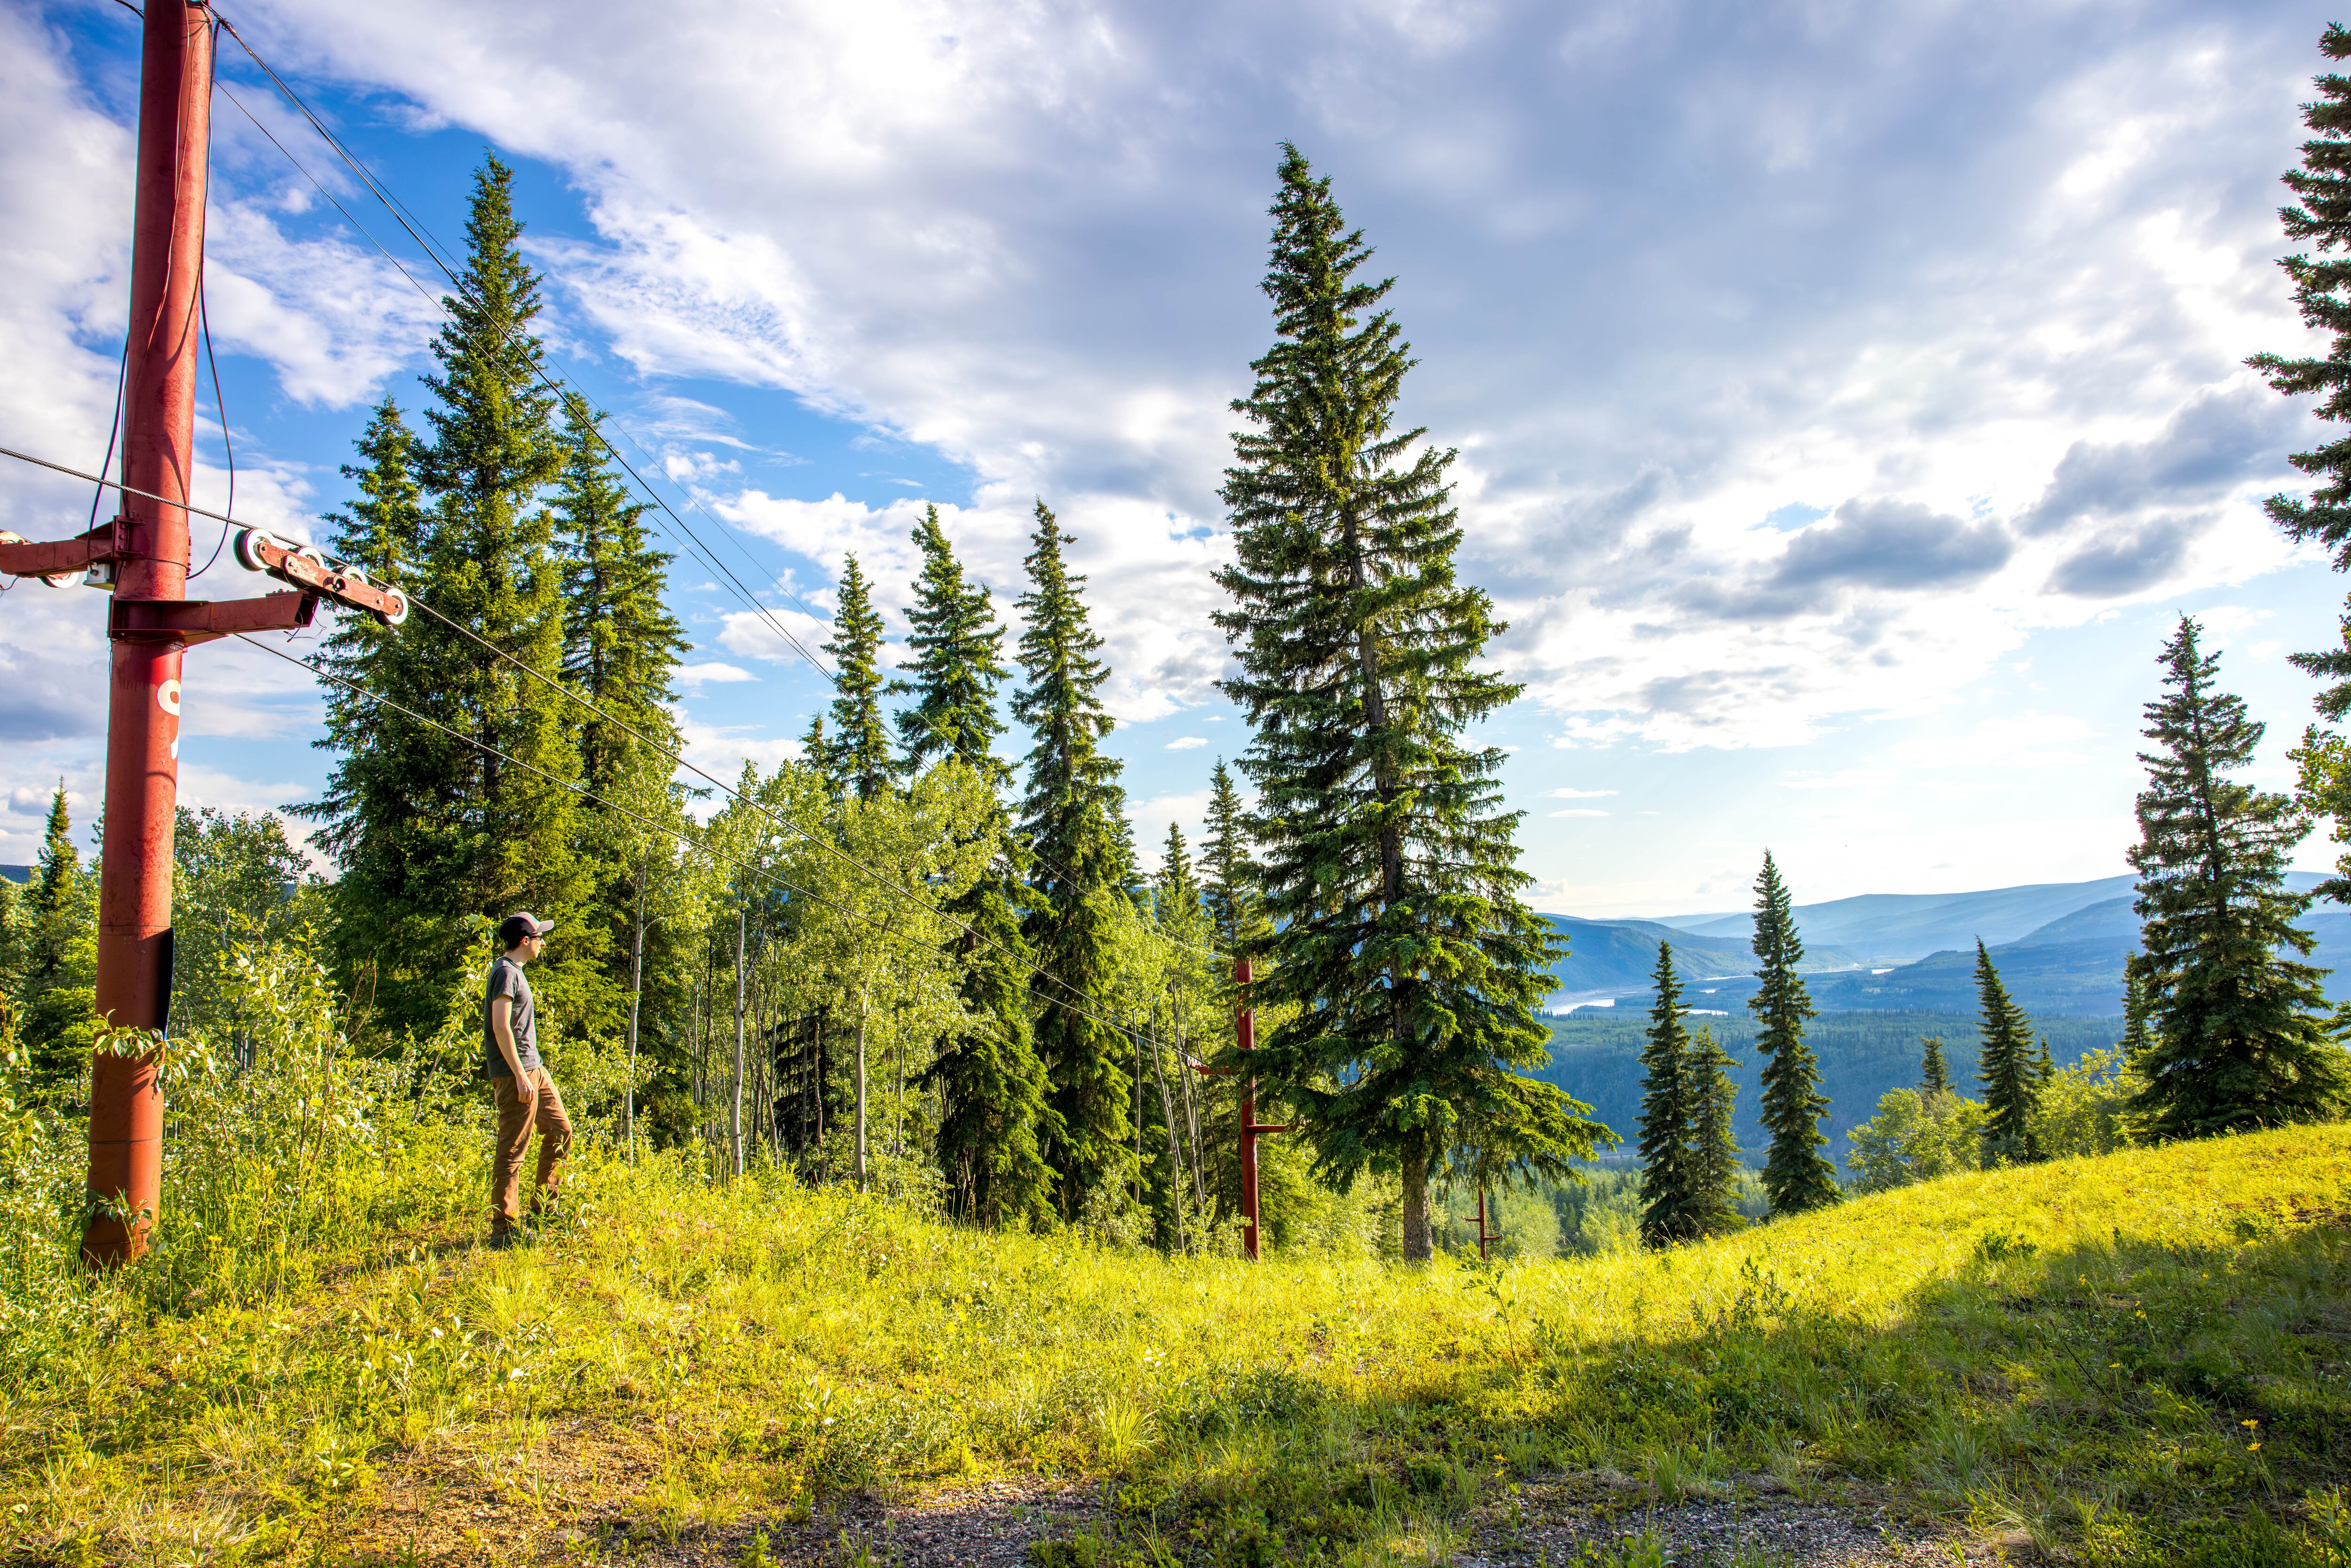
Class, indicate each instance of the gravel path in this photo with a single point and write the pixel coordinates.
(990, 1525)
(1747, 1523)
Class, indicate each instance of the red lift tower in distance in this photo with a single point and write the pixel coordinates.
(142, 555)
(1245, 1034)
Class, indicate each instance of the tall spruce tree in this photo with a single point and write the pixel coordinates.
(860, 740)
(957, 665)
(2006, 1068)
(435, 835)
(1669, 1207)
(1073, 817)
(2137, 1033)
(382, 532)
(1714, 1162)
(621, 648)
(57, 966)
(1796, 1175)
(994, 1123)
(1933, 1078)
(2242, 1038)
(1176, 892)
(1401, 940)
(1229, 889)
(2321, 214)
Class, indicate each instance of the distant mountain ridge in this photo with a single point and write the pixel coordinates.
(1882, 929)
(2069, 964)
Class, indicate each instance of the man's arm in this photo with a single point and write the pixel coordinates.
(502, 1030)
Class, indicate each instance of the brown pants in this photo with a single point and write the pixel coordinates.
(517, 1119)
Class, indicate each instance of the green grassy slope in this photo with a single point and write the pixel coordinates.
(2140, 1358)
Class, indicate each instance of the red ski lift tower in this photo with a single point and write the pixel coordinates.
(142, 556)
(1245, 1035)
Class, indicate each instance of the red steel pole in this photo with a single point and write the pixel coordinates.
(1245, 1027)
(142, 739)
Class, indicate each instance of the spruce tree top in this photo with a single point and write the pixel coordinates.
(621, 644)
(2322, 288)
(1073, 802)
(53, 876)
(493, 430)
(1781, 999)
(1232, 891)
(958, 664)
(1933, 1078)
(861, 746)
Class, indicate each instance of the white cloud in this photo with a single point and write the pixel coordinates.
(1186, 742)
(1582, 812)
(712, 674)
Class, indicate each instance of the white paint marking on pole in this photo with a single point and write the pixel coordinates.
(168, 696)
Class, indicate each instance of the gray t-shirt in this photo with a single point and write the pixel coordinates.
(506, 980)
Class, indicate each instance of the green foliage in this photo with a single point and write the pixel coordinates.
(1796, 1174)
(1716, 1170)
(2241, 1040)
(871, 937)
(235, 878)
(53, 961)
(1390, 871)
(1933, 1078)
(434, 836)
(2009, 1070)
(2322, 290)
(1071, 817)
(1917, 1135)
(1668, 1194)
(1229, 888)
(858, 755)
(958, 664)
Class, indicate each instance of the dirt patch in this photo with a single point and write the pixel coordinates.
(451, 1501)
(991, 1524)
(1751, 1519)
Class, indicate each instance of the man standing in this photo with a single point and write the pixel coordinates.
(524, 1089)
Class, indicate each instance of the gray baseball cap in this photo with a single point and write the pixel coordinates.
(522, 924)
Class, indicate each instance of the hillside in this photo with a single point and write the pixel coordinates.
(768, 1374)
(1611, 956)
(1597, 1057)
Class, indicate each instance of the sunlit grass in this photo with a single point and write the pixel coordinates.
(2138, 1358)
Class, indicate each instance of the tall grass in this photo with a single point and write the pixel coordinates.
(2079, 1346)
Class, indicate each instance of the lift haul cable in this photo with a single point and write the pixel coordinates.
(395, 615)
(877, 878)
(414, 228)
(682, 836)
(731, 793)
(415, 231)
(400, 215)
(690, 541)
(410, 602)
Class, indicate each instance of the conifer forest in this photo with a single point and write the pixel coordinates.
(959, 1172)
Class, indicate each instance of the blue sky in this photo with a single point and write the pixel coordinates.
(1847, 397)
